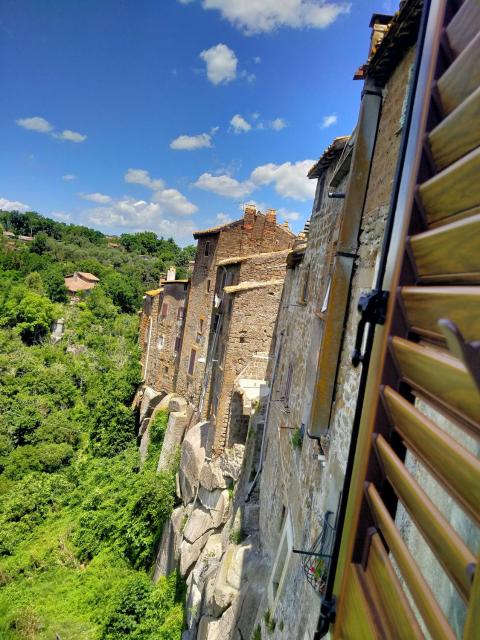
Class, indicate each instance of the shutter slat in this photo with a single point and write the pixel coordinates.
(462, 77)
(451, 551)
(463, 26)
(390, 599)
(356, 620)
(426, 603)
(425, 305)
(449, 253)
(457, 216)
(454, 189)
(453, 466)
(457, 134)
(441, 378)
(472, 623)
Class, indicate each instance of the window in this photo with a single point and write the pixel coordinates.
(280, 566)
(160, 342)
(288, 385)
(208, 286)
(201, 323)
(165, 370)
(178, 344)
(180, 313)
(191, 364)
(164, 310)
(207, 248)
(305, 283)
(216, 320)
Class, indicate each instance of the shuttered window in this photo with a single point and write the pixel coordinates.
(191, 363)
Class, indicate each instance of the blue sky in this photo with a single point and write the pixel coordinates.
(167, 115)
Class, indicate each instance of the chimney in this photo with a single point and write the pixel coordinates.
(249, 216)
(379, 24)
(271, 216)
(171, 273)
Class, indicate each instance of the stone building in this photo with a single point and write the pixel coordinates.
(247, 296)
(315, 387)
(254, 233)
(161, 330)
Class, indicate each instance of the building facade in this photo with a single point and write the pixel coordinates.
(254, 233)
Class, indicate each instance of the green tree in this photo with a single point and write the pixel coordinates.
(30, 313)
(39, 243)
(34, 283)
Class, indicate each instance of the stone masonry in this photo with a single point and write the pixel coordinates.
(254, 233)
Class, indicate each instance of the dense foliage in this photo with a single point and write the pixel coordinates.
(80, 518)
(58, 249)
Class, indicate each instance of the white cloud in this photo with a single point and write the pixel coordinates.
(100, 198)
(41, 125)
(256, 16)
(290, 179)
(249, 77)
(239, 124)
(140, 176)
(257, 59)
(328, 121)
(224, 185)
(137, 215)
(68, 177)
(169, 200)
(35, 124)
(190, 143)
(61, 215)
(290, 216)
(13, 205)
(221, 64)
(278, 124)
(224, 218)
(72, 136)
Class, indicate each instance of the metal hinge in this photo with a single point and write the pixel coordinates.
(373, 308)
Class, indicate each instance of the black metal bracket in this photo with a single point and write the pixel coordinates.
(373, 308)
(328, 613)
(333, 194)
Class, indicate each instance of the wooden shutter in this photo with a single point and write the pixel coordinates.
(426, 355)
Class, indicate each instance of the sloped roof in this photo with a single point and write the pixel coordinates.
(88, 276)
(153, 292)
(252, 284)
(330, 154)
(237, 259)
(402, 34)
(77, 284)
(217, 229)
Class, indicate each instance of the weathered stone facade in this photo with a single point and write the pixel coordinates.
(255, 233)
(248, 289)
(161, 329)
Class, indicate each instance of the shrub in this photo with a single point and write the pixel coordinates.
(297, 438)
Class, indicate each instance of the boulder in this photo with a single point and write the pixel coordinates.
(169, 547)
(233, 572)
(217, 629)
(211, 476)
(189, 553)
(193, 603)
(217, 502)
(198, 523)
(176, 425)
(208, 560)
(231, 461)
(192, 459)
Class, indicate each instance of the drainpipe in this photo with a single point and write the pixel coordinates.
(148, 348)
(267, 413)
(327, 611)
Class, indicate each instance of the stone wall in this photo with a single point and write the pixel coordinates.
(169, 322)
(255, 233)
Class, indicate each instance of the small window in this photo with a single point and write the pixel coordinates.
(216, 320)
(208, 286)
(201, 324)
(207, 248)
(178, 344)
(305, 283)
(191, 364)
(160, 342)
(164, 310)
(165, 370)
(288, 385)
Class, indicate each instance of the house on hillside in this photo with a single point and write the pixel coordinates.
(80, 281)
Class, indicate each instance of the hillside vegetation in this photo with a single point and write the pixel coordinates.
(80, 519)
